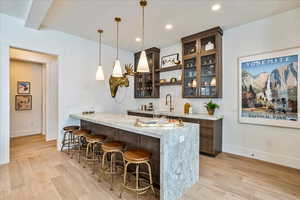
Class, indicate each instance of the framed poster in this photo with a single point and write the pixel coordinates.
(170, 60)
(269, 88)
(23, 87)
(23, 102)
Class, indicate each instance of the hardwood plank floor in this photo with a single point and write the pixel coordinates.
(38, 171)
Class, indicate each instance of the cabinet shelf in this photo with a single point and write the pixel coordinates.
(169, 83)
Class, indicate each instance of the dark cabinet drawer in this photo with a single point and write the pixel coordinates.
(206, 145)
(206, 123)
(206, 132)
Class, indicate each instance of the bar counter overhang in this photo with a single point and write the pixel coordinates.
(175, 156)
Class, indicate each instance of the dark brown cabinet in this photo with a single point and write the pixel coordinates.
(210, 132)
(145, 84)
(202, 64)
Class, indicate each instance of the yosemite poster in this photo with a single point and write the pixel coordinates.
(269, 88)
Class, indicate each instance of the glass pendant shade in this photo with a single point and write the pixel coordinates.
(143, 65)
(100, 74)
(117, 71)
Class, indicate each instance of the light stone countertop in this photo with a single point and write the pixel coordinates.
(126, 122)
(174, 114)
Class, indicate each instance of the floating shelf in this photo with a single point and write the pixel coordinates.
(169, 83)
(166, 69)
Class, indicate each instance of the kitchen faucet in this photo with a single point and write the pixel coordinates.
(170, 103)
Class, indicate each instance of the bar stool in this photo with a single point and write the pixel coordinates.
(137, 157)
(68, 135)
(92, 142)
(114, 148)
(79, 136)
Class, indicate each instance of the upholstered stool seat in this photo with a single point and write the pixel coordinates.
(80, 133)
(95, 138)
(137, 155)
(113, 146)
(71, 128)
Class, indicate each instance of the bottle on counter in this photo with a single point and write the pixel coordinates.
(187, 108)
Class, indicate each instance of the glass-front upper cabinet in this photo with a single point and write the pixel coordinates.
(208, 77)
(190, 47)
(190, 78)
(202, 61)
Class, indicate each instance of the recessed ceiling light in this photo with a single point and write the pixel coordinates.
(169, 26)
(216, 7)
(138, 39)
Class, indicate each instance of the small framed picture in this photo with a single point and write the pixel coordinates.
(170, 60)
(23, 102)
(23, 87)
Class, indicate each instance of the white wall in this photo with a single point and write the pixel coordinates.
(77, 60)
(272, 144)
(27, 122)
(279, 145)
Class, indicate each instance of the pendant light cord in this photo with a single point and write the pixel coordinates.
(100, 49)
(117, 40)
(143, 27)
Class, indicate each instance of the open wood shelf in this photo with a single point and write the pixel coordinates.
(166, 69)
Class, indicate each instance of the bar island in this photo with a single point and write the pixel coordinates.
(175, 150)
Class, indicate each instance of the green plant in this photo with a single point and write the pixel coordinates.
(211, 105)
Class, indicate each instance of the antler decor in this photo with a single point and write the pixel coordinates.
(116, 82)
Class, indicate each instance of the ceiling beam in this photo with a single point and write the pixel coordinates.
(37, 12)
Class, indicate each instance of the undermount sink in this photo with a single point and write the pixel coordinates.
(159, 123)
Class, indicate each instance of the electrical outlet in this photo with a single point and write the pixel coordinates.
(181, 139)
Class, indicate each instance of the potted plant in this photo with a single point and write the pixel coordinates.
(211, 107)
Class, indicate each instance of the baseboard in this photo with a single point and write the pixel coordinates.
(288, 161)
(24, 133)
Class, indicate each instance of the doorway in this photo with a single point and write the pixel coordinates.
(33, 96)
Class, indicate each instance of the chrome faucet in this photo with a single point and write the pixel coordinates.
(170, 103)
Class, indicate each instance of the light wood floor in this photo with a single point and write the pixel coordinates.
(38, 171)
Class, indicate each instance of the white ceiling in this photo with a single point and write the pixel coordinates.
(14, 8)
(84, 17)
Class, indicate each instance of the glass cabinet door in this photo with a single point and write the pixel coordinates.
(190, 47)
(190, 78)
(208, 78)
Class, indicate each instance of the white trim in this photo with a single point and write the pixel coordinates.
(14, 134)
(293, 162)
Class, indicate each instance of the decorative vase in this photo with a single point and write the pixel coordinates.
(210, 111)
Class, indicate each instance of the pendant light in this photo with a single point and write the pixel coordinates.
(143, 65)
(117, 70)
(99, 73)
